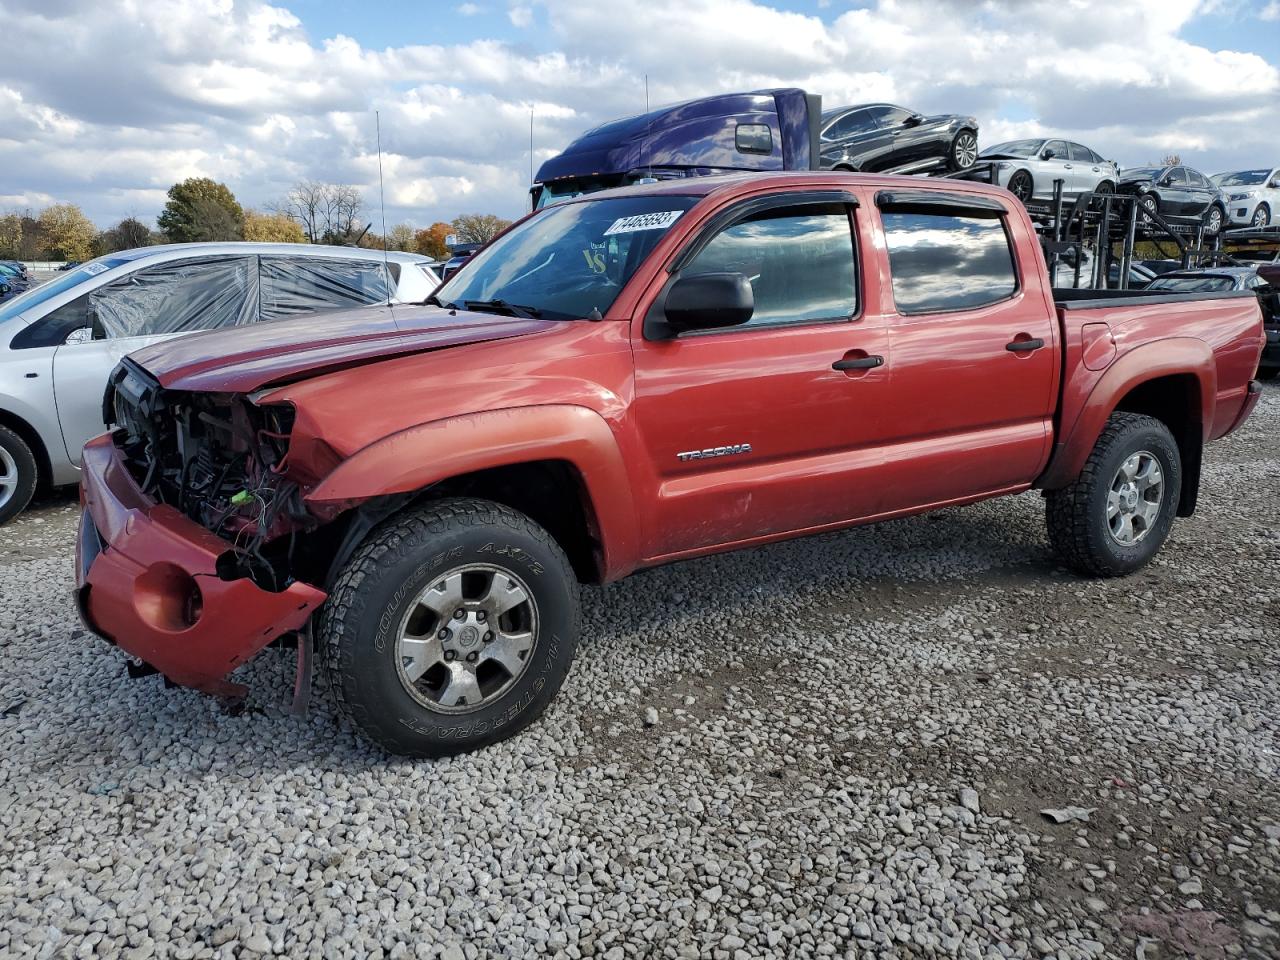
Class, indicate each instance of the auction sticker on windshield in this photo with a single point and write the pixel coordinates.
(644, 221)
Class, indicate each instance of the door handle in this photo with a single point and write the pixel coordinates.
(858, 363)
(1023, 346)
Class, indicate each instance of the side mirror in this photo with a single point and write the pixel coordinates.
(80, 335)
(708, 300)
(1048, 155)
(913, 121)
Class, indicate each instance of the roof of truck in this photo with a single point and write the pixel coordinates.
(828, 179)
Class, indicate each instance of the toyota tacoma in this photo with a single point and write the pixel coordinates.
(414, 493)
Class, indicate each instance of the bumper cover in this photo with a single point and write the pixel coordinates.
(147, 581)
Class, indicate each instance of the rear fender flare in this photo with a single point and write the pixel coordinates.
(429, 453)
(1173, 357)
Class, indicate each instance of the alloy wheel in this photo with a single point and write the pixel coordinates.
(1213, 223)
(966, 150)
(1135, 498)
(1261, 217)
(466, 638)
(8, 476)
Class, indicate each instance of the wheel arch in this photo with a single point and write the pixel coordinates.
(559, 464)
(1174, 381)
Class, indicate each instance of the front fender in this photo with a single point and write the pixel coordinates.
(426, 454)
(1086, 405)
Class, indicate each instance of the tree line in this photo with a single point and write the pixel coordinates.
(201, 209)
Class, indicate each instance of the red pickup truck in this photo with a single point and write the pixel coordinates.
(619, 381)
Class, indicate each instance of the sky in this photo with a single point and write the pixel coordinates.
(106, 103)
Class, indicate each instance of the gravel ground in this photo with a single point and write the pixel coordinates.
(840, 746)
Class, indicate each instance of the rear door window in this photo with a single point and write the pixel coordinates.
(296, 285)
(943, 262)
(177, 297)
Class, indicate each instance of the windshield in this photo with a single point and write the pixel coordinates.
(566, 261)
(1141, 173)
(1014, 148)
(38, 295)
(1241, 178)
(1196, 284)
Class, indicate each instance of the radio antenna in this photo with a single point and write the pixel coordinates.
(531, 146)
(382, 205)
(648, 126)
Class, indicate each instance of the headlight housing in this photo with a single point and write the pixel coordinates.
(1240, 196)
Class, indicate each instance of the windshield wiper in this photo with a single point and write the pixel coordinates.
(434, 301)
(514, 309)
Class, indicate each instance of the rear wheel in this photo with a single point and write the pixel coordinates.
(1021, 185)
(964, 150)
(1119, 511)
(18, 474)
(451, 628)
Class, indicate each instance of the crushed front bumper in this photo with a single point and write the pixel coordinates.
(147, 581)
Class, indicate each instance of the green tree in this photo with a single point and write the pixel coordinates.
(128, 234)
(478, 227)
(68, 234)
(272, 228)
(201, 209)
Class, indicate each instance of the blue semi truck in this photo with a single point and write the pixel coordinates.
(727, 133)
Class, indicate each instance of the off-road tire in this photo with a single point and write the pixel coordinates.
(361, 619)
(1077, 514)
(15, 496)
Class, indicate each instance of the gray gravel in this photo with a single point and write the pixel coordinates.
(834, 747)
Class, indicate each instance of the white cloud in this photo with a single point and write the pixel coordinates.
(1271, 11)
(106, 106)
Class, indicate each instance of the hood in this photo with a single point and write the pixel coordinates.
(1136, 178)
(243, 359)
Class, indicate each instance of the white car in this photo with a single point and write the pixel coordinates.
(1252, 197)
(60, 341)
(1028, 168)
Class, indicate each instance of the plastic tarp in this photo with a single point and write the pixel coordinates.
(178, 297)
(297, 285)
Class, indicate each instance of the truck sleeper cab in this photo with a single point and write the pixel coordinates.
(620, 381)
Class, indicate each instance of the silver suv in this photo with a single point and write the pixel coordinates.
(60, 341)
(1028, 168)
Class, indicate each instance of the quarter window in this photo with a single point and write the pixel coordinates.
(753, 138)
(799, 260)
(943, 262)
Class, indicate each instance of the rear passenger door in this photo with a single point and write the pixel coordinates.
(293, 286)
(972, 352)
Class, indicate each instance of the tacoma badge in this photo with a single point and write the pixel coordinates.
(714, 452)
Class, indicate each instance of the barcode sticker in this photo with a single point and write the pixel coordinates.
(644, 221)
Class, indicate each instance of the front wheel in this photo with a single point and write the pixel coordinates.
(1021, 185)
(1261, 216)
(1117, 514)
(451, 628)
(18, 474)
(1213, 219)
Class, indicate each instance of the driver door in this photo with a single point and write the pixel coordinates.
(148, 306)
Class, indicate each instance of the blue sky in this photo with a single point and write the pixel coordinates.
(262, 93)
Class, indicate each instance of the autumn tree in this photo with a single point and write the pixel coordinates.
(478, 227)
(201, 209)
(272, 228)
(10, 237)
(430, 242)
(67, 233)
(400, 237)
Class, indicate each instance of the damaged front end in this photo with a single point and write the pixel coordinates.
(192, 519)
(221, 461)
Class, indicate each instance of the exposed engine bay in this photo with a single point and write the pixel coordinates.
(220, 460)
